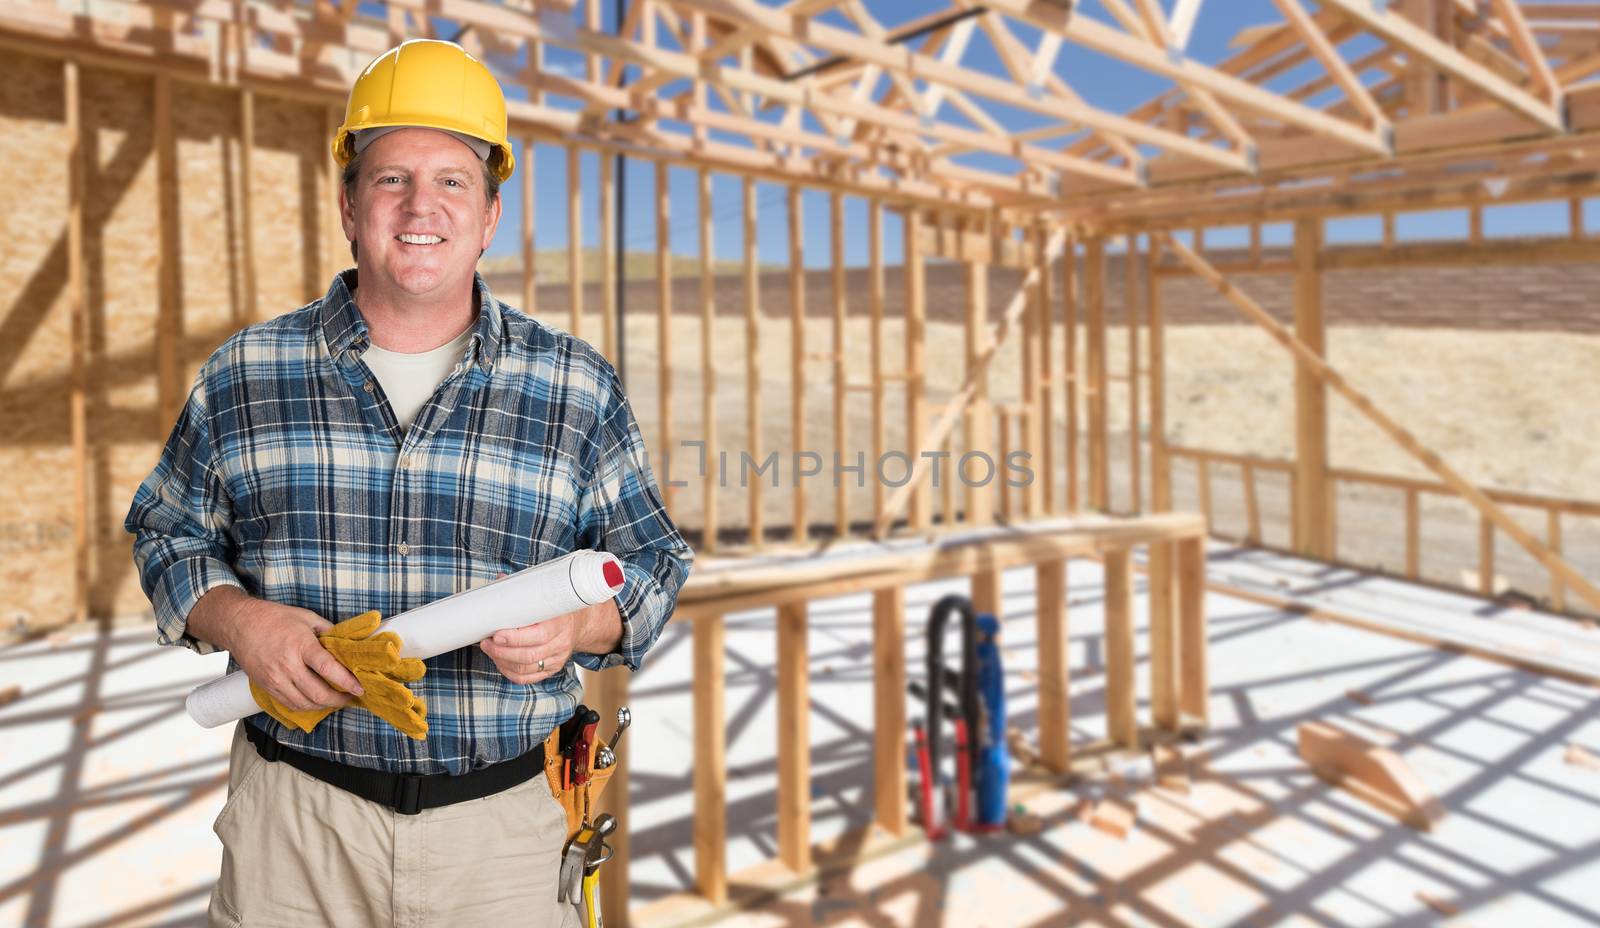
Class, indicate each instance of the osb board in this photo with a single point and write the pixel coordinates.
(36, 522)
(122, 271)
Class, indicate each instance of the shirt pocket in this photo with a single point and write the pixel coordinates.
(515, 508)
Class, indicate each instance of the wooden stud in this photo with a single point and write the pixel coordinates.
(1319, 368)
(169, 321)
(1069, 302)
(880, 414)
(1475, 225)
(1055, 703)
(530, 253)
(610, 693)
(247, 249)
(1203, 480)
(708, 369)
(797, 356)
(1163, 637)
(1558, 592)
(841, 499)
(752, 359)
(1255, 249)
(920, 512)
(1388, 228)
(987, 592)
(889, 717)
(608, 260)
(1046, 432)
(1252, 511)
(575, 242)
(979, 416)
(83, 486)
(664, 350)
(1160, 462)
(1121, 716)
(335, 254)
(1030, 427)
(1311, 398)
(1095, 362)
(1194, 686)
(1413, 534)
(710, 760)
(1007, 514)
(1575, 218)
(1485, 556)
(794, 740)
(1130, 296)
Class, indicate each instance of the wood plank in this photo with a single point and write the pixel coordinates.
(574, 243)
(1130, 297)
(794, 739)
(1047, 379)
(1203, 482)
(664, 342)
(1485, 557)
(1310, 398)
(1375, 774)
(1121, 715)
(1095, 372)
(170, 394)
(797, 355)
(841, 436)
(78, 307)
(607, 691)
(979, 416)
(608, 260)
(1252, 532)
(247, 226)
(1428, 458)
(889, 717)
(1055, 700)
(1030, 432)
(752, 361)
(1163, 637)
(1194, 685)
(708, 369)
(880, 414)
(988, 595)
(530, 264)
(920, 509)
(710, 760)
(1558, 591)
(1413, 534)
(1069, 305)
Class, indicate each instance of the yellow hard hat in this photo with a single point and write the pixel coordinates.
(433, 85)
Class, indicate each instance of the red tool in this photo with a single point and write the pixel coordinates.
(925, 772)
(581, 748)
(963, 779)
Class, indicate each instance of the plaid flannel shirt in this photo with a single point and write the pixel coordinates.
(288, 476)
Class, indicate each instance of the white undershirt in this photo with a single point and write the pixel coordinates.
(409, 380)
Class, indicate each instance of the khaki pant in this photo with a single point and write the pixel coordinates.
(299, 852)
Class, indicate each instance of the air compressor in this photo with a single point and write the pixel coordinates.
(976, 799)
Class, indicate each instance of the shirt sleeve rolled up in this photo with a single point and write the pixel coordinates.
(621, 511)
(179, 520)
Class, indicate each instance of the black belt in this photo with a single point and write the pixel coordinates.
(404, 793)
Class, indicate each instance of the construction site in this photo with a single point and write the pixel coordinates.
(1238, 357)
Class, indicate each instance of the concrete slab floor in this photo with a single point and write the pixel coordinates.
(107, 790)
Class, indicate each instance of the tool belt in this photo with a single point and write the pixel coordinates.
(577, 800)
(405, 793)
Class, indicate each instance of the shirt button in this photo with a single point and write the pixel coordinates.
(405, 462)
(403, 549)
(367, 386)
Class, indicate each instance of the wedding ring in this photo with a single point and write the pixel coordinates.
(541, 666)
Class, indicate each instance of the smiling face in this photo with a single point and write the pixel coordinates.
(419, 214)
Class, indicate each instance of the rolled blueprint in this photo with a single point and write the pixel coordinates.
(541, 592)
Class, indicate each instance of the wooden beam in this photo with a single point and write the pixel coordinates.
(1527, 48)
(752, 361)
(1317, 42)
(169, 320)
(608, 260)
(1055, 703)
(1046, 432)
(1413, 534)
(78, 307)
(841, 498)
(247, 230)
(708, 368)
(710, 760)
(1121, 714)
(1558, 592)
(797, 356)
(1160, 462)
(664, 343)
(1163, 636)
(1130, 301)
(1069, 304)
(530, 253)
(1094, 298)
(1311, 398)
(1031, 428)
(921, 514)
(794, 740)
(1194, 680)
(574, 242)
(607, 691)
(1396, 29)
(889, 714)
(1428, 458)
(1377, 775)
(978, 420)
(880, 415)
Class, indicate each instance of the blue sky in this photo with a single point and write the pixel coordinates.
(1102, 81)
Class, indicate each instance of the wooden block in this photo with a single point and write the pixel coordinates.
(1114, 817)
(10, 694)
(1025, 824)
(1443, 906)
(1375, 774)
(1359, 697)
(1576, 755)
(1172, 768)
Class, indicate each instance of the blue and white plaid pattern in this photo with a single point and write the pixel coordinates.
(288, 476)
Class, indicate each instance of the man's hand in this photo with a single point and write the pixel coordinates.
(517, 652)
(277, 647)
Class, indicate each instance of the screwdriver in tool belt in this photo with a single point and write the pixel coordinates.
(581, 747)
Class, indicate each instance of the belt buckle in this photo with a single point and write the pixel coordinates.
(408, 795)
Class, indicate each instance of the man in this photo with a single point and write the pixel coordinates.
(403, 438)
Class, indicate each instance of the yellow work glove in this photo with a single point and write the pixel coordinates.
(376, 662)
